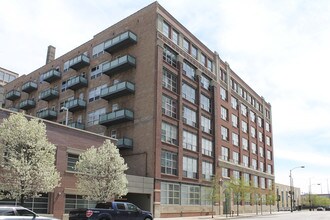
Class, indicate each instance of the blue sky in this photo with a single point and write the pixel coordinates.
(280, 48)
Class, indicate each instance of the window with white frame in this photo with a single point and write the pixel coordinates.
(189, 70)
(205, 103)
(189, 141)
(186, 45)
(261, 151)
(194, 51)
(253, 132)
(252, 116)
(207, 147)
(245, 144)
(169, 106)
(205, 82)
(235, 157)
(166, 29)
(269, 184)
(169, 133)
(207, 170)
(243, 110)
(94, 93)
(245, 160)
(96, 71)
(189, 167)
(255, 181)
(260, 136)
(224, 153)
(254, 148)
(234, 138)
(269, 169)
(236, 175)
(203, 59)
(234, 102)
(224, 113)
(260, 122)
(225, 172)
(169, 163)
(209, 64)
(71, 162)
(246, 178)
(234, 120)
(269, 155)
(254, 164)
(189, 116)
(175, 36)
(94, 116)
(224, 133)
(223, 94)
(205, 196)
(170, 80)
(206, 124)
(170, 56)
(98, 50)
(268, 141)
(190, 195)
(267, 126)
(170, 193)
(261, 166)
(262, 183)
(244, 127)
(189, 93)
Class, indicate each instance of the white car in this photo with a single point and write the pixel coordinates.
(320, 208)
(10, 212)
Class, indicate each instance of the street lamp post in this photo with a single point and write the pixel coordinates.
(66, 114)
(291, 187)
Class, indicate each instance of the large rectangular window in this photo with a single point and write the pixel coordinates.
(243, 110)
(170, 193)
(206, 124)
(223, 94)
(225, 153)
(169, 106)
(234, 138)
(207, 147)
(224, 133)
(236, 157)
(170, 56)
(205, 103)
(234, 102)
(77, 201)
(189, 141)
(93, 117)
(71, 163)
(170, 81)
(94, 93)
(189, 70)
(189, 167)
(188, 93)
(234, 120)
(245, 144)
(190, 195)
(224, 113)
(205, 82)
(189, 116)
(207, 170)
(169, 164)
(169, 133)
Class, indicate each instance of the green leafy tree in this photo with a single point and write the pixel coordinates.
(240, 189)
(270, 199)
(28, 159)
(102, 168)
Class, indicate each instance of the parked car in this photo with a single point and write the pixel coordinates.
(111, 211)
(320, 208)
(10, 212)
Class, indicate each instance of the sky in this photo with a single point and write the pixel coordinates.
(280, 48)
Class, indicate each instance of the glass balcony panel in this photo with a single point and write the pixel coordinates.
(29, 87)
(77, 82)
(75, 105)
(76, 124)
(121, 41)
(13, 95)
(51, 76)
(120, 64)
(27, 104)
(47, 114)
(116, 117)
(118, 90)
(125, 143)
(48, 94)
(79, 62)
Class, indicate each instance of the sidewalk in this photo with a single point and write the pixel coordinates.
(215, 217)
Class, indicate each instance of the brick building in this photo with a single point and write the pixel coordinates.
(6, 76)
(179, 112)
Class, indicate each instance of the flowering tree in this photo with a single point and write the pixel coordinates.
(27, 159)
(100, 173)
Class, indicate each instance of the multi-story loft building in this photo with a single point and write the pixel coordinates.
(6, 76)
(179, 112)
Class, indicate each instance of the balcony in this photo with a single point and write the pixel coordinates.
(47, 114)
(49, 94)
(116, 117)
(13, 95)
(27, 104)
(79, 62)
(51, 76)
(76, 124)
(29, 87)
(76, 83)
(117, 90)
(121, 41)
(120, 64)
(125, 143)
(75, 105)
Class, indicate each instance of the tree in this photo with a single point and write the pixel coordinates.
(239, 188)
(270, 199)
(100, 173)
(28, 163)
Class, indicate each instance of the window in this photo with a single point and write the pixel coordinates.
(225, 153)
(225, 172)
(206, 124)
(269, 184)
(234, 102)
(244, 127)
(170, 56)
(261, 166)
(207, 147)
(254, 164)
(169, 133)
(64, 86)
(260, 136)
(254, 148)
(205, 196)
(236, 157)
(186, 45)
(189, 167)
(190, 195)
(224, 133)
(194, 51)
(269, 169)
(93, 117)
(203, 59)
(223, 75)
(94, 93)
(98, 50)
(170, 193)
(243, 110)
(77, 201)
(169, 106)
(189, 141)
(236, 175)
(189, 116)
(267, 126)
(71, 163)
(169, 80)
(245, 144)
(234, 120)
(169, 164)
(252, 116)
(175, 36)
(166, 29)
(209, 65)
(262, 183)
(253, 132)
(113, 133)
(205, 82)
(261, 151)
(268, 141)
(188, 93)
(269, 155)
(189, 70)
(245, 161)
(205, 103)
(255, 181)
(66, 66)
(235, 139)
(260, 122)
(224, 113)
(223, 94)
(96, 71)
(207, 170)
(246, 178)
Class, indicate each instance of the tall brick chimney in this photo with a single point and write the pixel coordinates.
(50, 54)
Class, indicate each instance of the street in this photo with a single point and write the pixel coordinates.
(301, 215)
